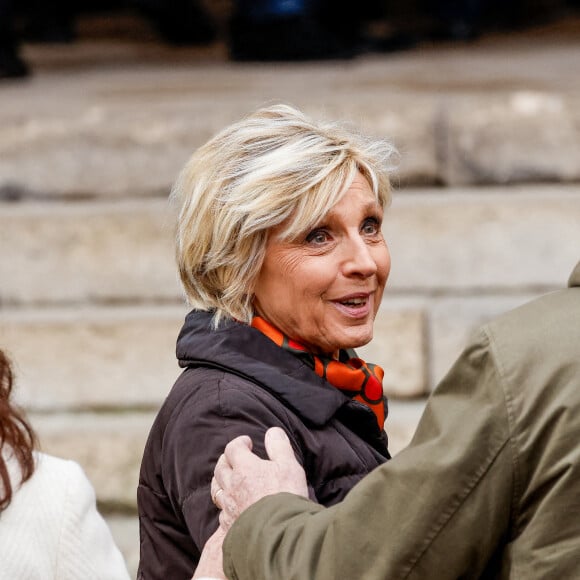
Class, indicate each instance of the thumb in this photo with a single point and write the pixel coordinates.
(278, 445)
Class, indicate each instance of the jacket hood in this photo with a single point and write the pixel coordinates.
(575, 276)
(244, 351)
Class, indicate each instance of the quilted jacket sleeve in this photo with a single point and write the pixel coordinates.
(196, 436)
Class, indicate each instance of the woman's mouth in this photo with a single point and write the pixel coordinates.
(354, 301)
(354, 306)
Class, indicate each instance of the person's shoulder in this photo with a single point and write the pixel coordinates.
(542, 333)
(46, 461)
(196, 389)
(205, 387)
(56, 486)
(57, 467)
(85, 545)
(207, 397)
(62, 477)
(551, 317)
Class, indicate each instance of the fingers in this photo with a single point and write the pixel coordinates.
(238, 450)
(278, 446)
(226, 521)
(241, 478)
(221, 476)
(291, 476)
(215, 491)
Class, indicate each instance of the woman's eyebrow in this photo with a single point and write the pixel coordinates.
(373, 205)
(370, 207)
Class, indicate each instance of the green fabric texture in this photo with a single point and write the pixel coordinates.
(488, 487)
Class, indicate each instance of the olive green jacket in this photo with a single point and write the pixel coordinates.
(488, 488)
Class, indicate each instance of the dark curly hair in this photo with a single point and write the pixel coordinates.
(15, 434)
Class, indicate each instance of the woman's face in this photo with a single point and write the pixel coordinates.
(325, 288)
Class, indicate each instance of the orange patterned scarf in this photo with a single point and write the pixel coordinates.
(358, 379)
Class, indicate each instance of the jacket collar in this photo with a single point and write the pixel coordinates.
(575, 276)
(244, 351)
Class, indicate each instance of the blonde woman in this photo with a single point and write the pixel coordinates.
(283, 260)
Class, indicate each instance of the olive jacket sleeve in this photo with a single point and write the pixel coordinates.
(486, 489)
(404, 515)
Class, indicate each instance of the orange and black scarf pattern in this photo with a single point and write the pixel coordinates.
(360, 380)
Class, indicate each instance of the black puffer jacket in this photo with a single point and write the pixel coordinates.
(237, 381)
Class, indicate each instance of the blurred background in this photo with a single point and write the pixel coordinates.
(101, 106)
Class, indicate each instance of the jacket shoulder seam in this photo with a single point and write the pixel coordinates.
(511, 421)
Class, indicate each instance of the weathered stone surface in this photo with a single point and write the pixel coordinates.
(104, 150)
(125, 530)
(125, 357)
(119, 117)
(399, 347)
(87, 252)
(411, 125)
(452, 320)
(402, 422)
(447, 323)
(108, 152)
(482, 241)
(103, 357)
(136, 151)
(465, 240)
(101, 151)
(529, 136)
(108, 447)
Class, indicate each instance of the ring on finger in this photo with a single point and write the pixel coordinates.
(215, 495)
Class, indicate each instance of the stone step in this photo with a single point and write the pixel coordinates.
(117, 359)
(469, 241)
(108, 446)
(483, 240)
(125, 530)
(106, 358)
(103, 150)
(87, 252)
(96, 280)
(503, 109)
(93, 358)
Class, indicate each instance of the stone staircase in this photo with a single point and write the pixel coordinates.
(486, 215)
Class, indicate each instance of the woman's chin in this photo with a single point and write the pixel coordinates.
(354, 340)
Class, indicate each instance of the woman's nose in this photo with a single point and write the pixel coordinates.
(359, 260)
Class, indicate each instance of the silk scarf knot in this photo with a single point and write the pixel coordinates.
(358, 379)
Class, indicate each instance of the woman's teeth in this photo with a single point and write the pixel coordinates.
(354, 302)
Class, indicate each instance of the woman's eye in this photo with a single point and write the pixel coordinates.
(317, 237)
(371, 226)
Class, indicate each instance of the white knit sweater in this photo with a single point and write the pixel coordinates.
(52, 529)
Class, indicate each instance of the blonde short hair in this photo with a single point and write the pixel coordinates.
(274, 165)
